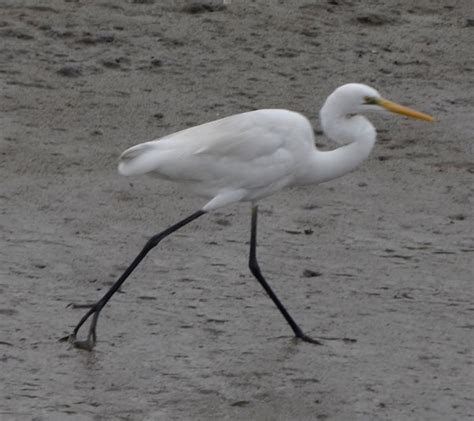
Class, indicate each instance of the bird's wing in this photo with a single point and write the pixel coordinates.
(243, 136)
(251, 149)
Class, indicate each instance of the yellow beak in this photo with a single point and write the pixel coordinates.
(400, 109)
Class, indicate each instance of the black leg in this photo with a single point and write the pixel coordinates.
(255, 269)
(89, 343)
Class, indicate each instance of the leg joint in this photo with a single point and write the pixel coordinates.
(154, 241)
(253, 266)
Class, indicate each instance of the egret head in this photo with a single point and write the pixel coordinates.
(357, 98)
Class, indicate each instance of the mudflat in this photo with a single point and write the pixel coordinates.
(382, 255)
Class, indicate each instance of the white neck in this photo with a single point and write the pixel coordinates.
(358, 136)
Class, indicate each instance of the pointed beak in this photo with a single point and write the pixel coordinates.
(400, 109)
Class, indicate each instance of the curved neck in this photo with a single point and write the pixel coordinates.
(357, 132)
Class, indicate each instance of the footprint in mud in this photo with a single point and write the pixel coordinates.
(287, 53)
(207, 6)
(374, 19)
(8, 312)
(71, 70)
(456, 166)
(76, 70)
(309, 273)
(94, 39)
(115, 62)
(15, 33)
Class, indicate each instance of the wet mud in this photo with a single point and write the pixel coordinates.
(383, 255)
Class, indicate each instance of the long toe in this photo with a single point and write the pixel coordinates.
(87, 345)
(306, 338)
(68, 338)
(333, 338)
(80, 305)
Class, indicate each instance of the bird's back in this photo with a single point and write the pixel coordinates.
(249, 150)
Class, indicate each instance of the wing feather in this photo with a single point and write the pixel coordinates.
(248, 150)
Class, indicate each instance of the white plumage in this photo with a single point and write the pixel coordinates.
(246, 157)
(242, 157)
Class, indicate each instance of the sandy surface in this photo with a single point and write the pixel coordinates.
(192, 336)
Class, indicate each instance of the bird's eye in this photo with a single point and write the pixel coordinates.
(370, 100)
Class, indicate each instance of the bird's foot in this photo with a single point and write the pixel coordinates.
(87, 345)
(91, 340)
(333, 338)
(79, 305)
(305, 338)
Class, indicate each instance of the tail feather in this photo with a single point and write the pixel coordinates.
(139, 159)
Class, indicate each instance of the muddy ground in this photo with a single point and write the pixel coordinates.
(383, 255)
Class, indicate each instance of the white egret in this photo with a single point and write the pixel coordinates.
(248, 156)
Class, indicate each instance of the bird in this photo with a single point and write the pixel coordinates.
(246, 157)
